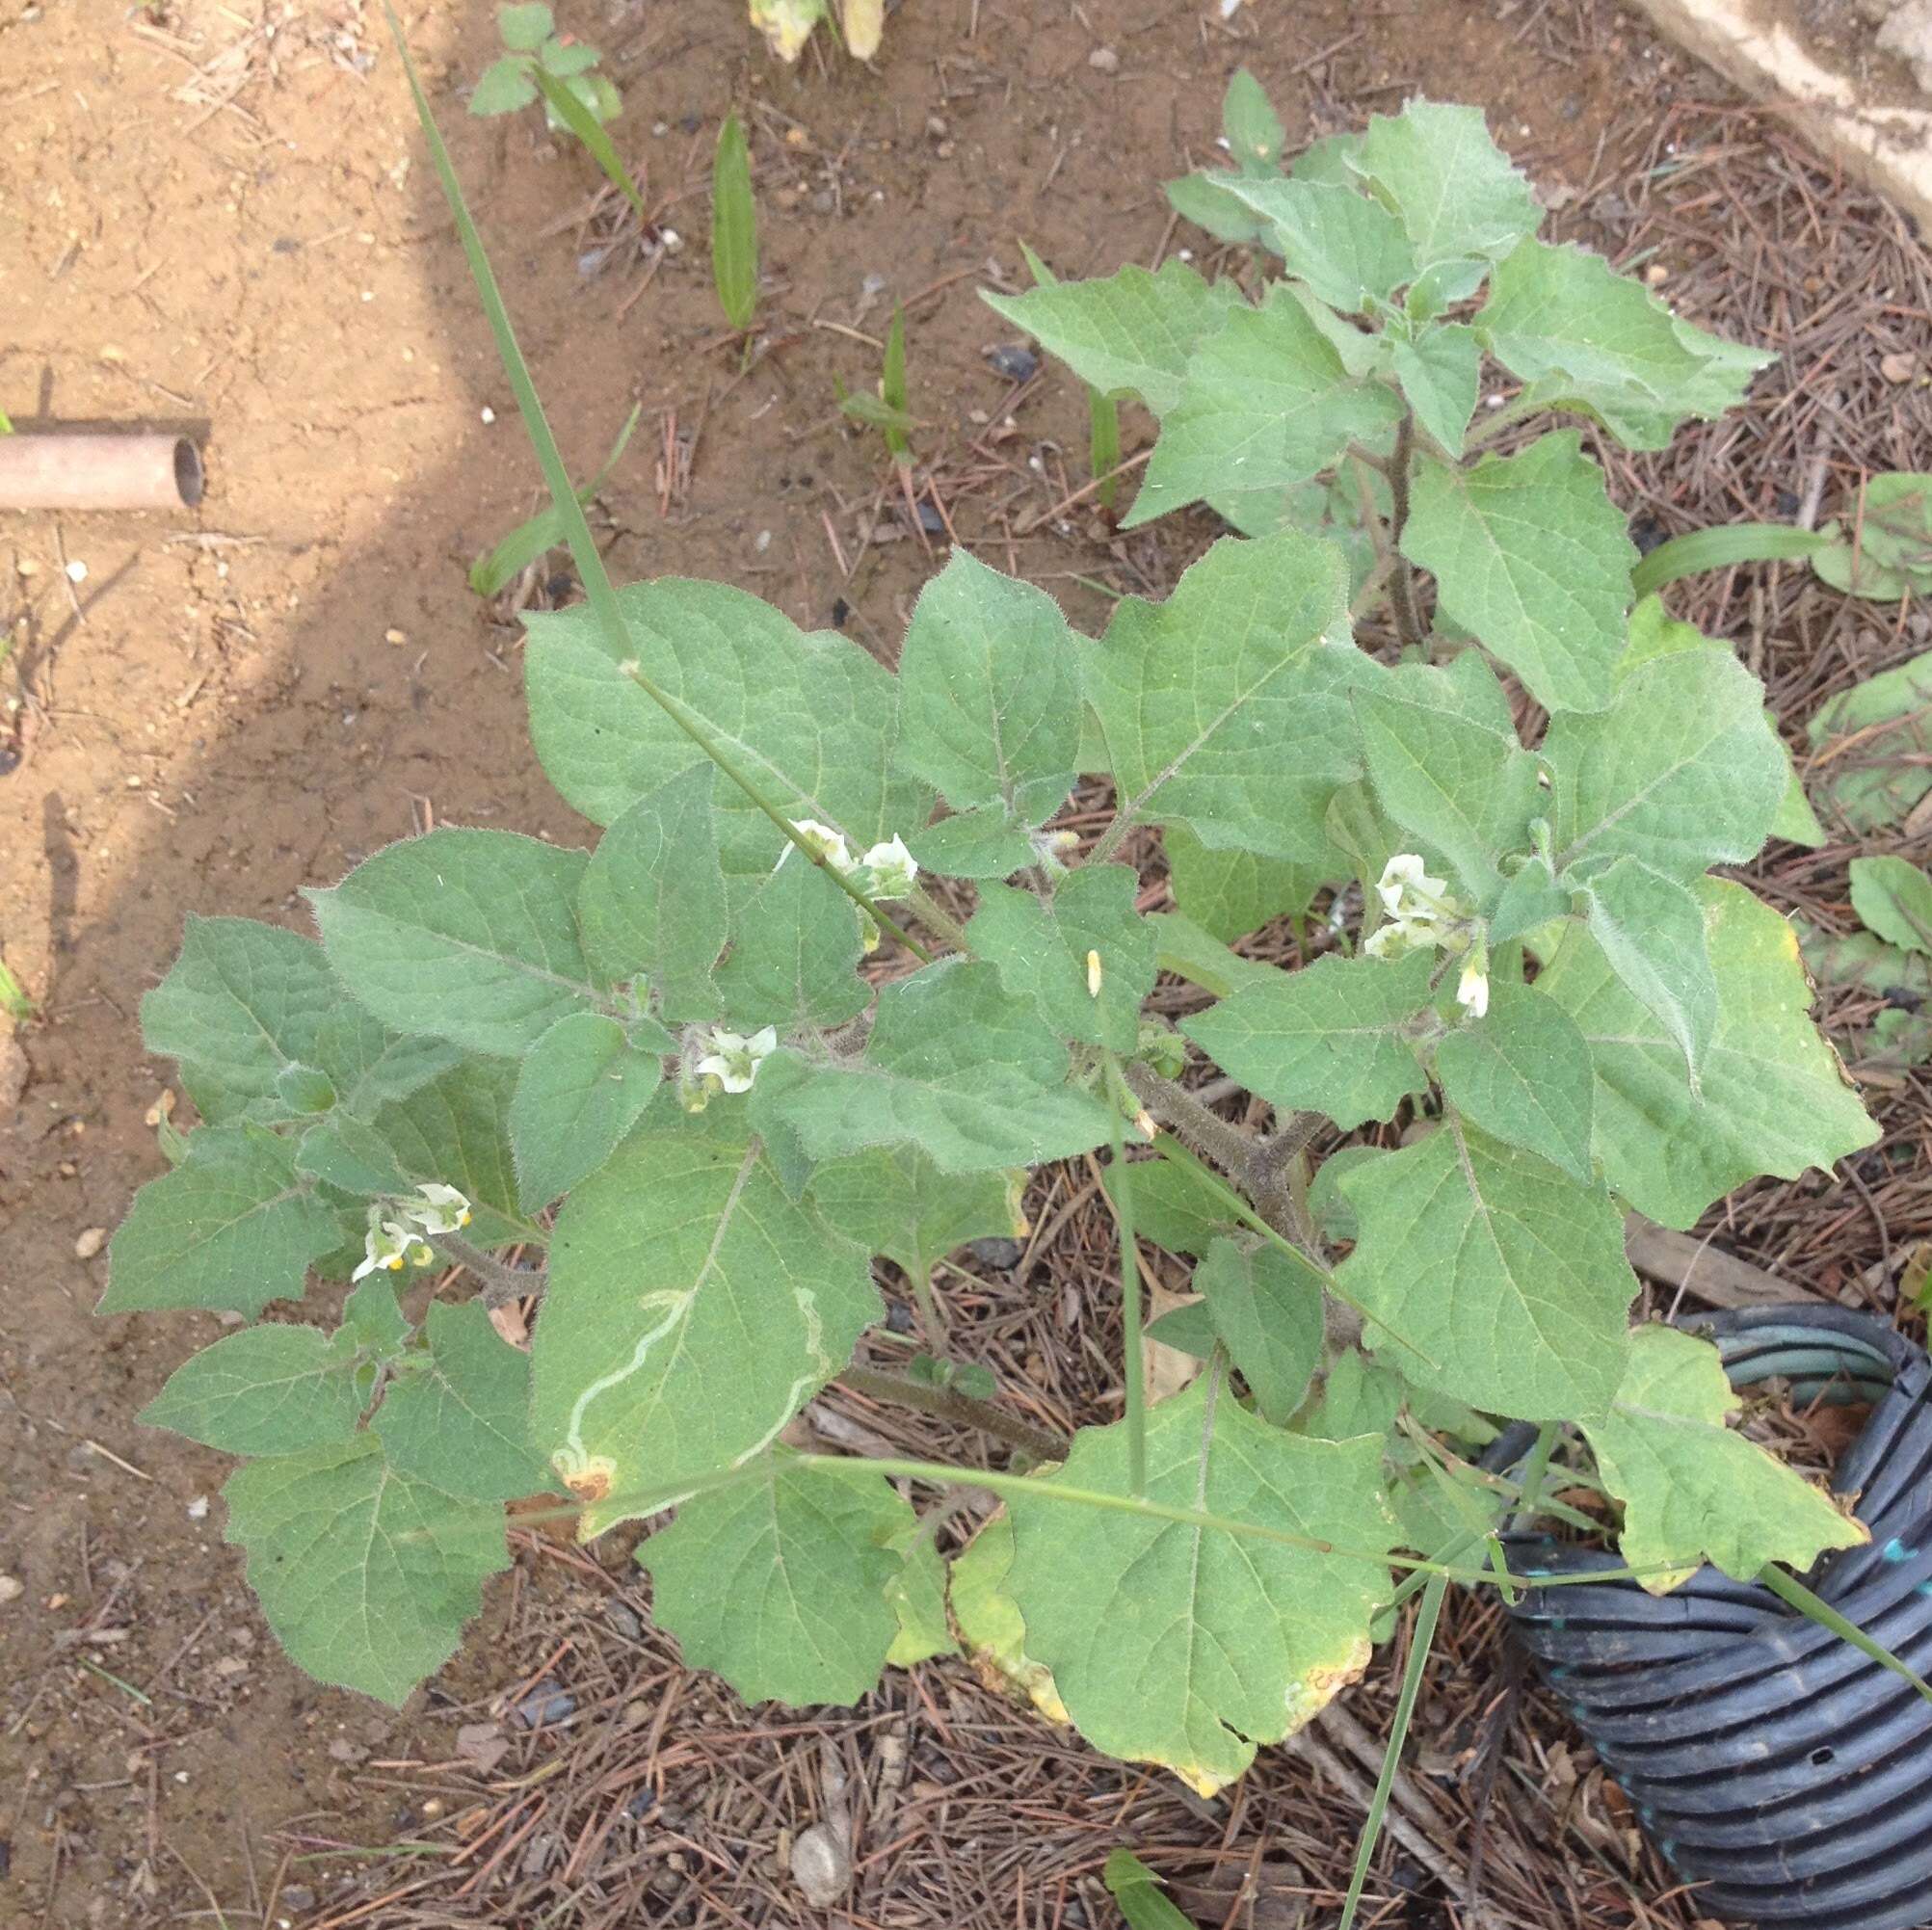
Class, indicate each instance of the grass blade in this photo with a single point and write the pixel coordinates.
(734, 226)
(1809, 1605)
(591, 572)
(590, 130)
(1719, 548)
(1103, 444)
(1421, 1638)
(1137, 1891)
(528, 540)
(893, 388)
(14, 999)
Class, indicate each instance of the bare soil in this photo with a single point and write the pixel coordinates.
(221, 218)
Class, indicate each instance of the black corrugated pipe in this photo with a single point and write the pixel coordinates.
(1775, 1765)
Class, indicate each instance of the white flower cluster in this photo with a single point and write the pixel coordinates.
(733, 1058)
(394, 1242)
(1421, 911)
(887, 871)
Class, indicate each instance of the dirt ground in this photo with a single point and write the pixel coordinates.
(220, 218)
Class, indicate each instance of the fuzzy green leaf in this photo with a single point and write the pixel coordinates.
(1893, 898)
(1890, 716)
(1268, 402)
(990, 693)
(983, 843)
(525, 26)
(1692, 1489)
(1042, 951)
(1891, 555)
(1254, 129)
(1522, 1072)
(1231, 893)
(1205, 200)
(1652, 930)
(1225, 708)
(1348, 249)
(503, 87)
(265, 1390)
(366, 1576)
(795, 953)
(1586, 337)
(456, 1130)
(897, 1202)
(1332, 1037)
(1266, 1307)
(1174, 1206)
(579, 1090)
(373, 1320)
(811, 720)
(1455, 190)
(780, 1585)
(469, 936)
(1774, 1098)
(693, 1309)
(956, 1068)
(653, 901)
(1438, 372)
(231, 1228)
(1530, 557)
(1503, 1271)
(458, 1420)
(1132, 330)
(1187, 1646)
(1681, 770)
(371, 1066)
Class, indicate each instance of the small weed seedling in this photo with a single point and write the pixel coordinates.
(887, 411)
(660, 1069)
(534, 52)
(734, 230)
(497, 568)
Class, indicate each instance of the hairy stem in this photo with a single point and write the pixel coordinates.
(949, 1404)
(1408, 623)
(1204, 1133)
(501, 1282)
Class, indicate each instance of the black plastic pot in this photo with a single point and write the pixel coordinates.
(1773, 1763)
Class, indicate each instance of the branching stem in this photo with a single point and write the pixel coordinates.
(501, 1282)
(950, 1404)
(1402, 586)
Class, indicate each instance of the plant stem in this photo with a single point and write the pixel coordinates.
(1134, 1365)
(1408, 623)
(1191, 1122)
(949, 1404)
(937, 919)
(502, 1283)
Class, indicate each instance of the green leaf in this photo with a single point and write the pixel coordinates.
(1891, 554)
(1254, 129)
(265, 1390)
(1225, 708)
(1332, 159)
(1231, 893)
(1692, 1489)
(1174, 1207)
(1797, 822)
(458, 1421)
(1652, 930)
(1502, 1270)
(780, 1585)
(1439, 374)
(895, 1202)
(242, 1001)
(1522, 1073)
(1461, 781)
(229, 1228)
(371, 1066)
(1188, 1329)
(1586, 337)
(1890, 718)
(1205, 200)
(693, 1309)
(1136, 1889)
(1267, 404)
(652, 902)
(1184, 948)
(1530, 557)
(1774, 1098)
(734, 226)
(566, 59)
(305, 1089)
(916, 1596)
(1335, 1035)
(525, 27)
(983, 843)
(373, 1320)
(1530, 898)
(1267, 1305)
(1681, 770)
(1348, 249)
(1042, 949)
(812, 720)
(1132, 330)
(1454, 189)
(1176, 1645)
(990, 693)
(795, 953)
(1440, 286)
(1893, 898)
(579, 1090)
(504, 87)
(366, 1576)
(954, 1067)
(470, 936)
(456, 1130)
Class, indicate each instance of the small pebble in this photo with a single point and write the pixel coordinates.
(1103, 60)
(198, 1508)
(1014, 362)
(394, 636)
(90, 1243)
(998, 1254)
(1656, 275)
(12, 1588)
(486, 414)
(298, 1897)
(936, 126)
(821, 1865)
(623, 1619)
(546, 1703)
(1897, 368)
(77, 571)
(931, 520)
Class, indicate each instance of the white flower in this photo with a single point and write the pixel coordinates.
(824, 843)
(893, 868)
(1403, 875)
(438, 1208)
(1473, 987)
(390, 1244)
(733, 1059)
(1389, 940)
(1419, 909)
